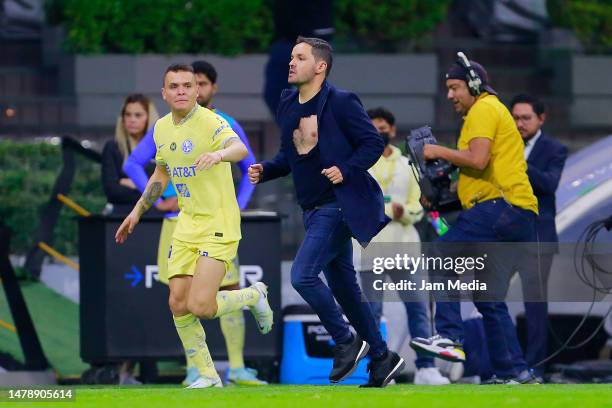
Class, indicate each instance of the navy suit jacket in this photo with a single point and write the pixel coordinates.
(348, 140)
(544, 166)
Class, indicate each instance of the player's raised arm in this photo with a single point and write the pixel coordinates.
(155, 187)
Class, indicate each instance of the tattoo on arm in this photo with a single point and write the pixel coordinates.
(149, 197)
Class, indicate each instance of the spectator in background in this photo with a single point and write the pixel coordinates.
(545, 160)
(206, 81)
(293, 18)
(138, 114)
(401, 194)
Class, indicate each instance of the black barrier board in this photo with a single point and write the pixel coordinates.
(124, 309)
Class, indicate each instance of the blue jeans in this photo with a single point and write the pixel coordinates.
(534, 282)
(327, 247)
(489, 221)
(418, 325)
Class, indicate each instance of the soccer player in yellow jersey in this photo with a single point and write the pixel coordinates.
(194, 149)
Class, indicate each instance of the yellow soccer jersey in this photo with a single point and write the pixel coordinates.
(506, 174)
(206, 198)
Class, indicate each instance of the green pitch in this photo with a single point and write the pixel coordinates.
(453, 396)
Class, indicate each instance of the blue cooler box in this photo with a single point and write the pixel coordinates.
(307, 350)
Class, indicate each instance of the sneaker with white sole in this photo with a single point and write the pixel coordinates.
(430, 376)
(206, 382)
(192, 375)
(438, 346)
(261, 310)
(381, 372)
(347, 357)
(244, 376)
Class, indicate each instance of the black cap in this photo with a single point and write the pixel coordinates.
(457, 71)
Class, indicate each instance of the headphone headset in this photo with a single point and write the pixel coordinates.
(474, 82)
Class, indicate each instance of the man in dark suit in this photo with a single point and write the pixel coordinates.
(545, 160)
(328, 143)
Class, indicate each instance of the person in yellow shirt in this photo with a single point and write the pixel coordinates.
(499, 206)
(195, 147)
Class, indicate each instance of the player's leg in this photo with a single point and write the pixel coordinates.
(207, 278)
(164, 248)
(207, 302)
(233, 329)
(191, 333)
(163, 253)
(181, 264)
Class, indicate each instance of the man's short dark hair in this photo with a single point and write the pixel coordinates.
(177, 68)
(321, 50)
(205, 68)
(537, 106)
(382, 113)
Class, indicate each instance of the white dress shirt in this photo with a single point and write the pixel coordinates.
(529, 145)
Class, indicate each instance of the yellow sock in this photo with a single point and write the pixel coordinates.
(231, 300)
(192, 336)
(232, 326)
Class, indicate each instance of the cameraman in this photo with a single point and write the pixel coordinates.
(499, 206)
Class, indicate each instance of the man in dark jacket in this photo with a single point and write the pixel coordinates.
(545, 160)
(328, 143)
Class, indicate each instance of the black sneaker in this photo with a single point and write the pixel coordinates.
(528, 377)
(495, 380)
(347, 357)
(383, 371)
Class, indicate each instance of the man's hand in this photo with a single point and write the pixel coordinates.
(398, 210)
(168, 205)
(207, 160)
(333, 174)
(306, 136)
(255, 173)
(425, 202)
(431, 152)
(127, 226)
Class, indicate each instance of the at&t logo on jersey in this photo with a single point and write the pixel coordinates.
(187, 146)
(184, 171)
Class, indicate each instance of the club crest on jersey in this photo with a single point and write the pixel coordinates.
(187, 146)
(173, 146)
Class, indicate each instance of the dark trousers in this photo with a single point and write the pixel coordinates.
(534, 281)
(489, 221)
(419, 324)
(327, 247)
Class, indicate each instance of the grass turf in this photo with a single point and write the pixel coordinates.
(469, 396)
